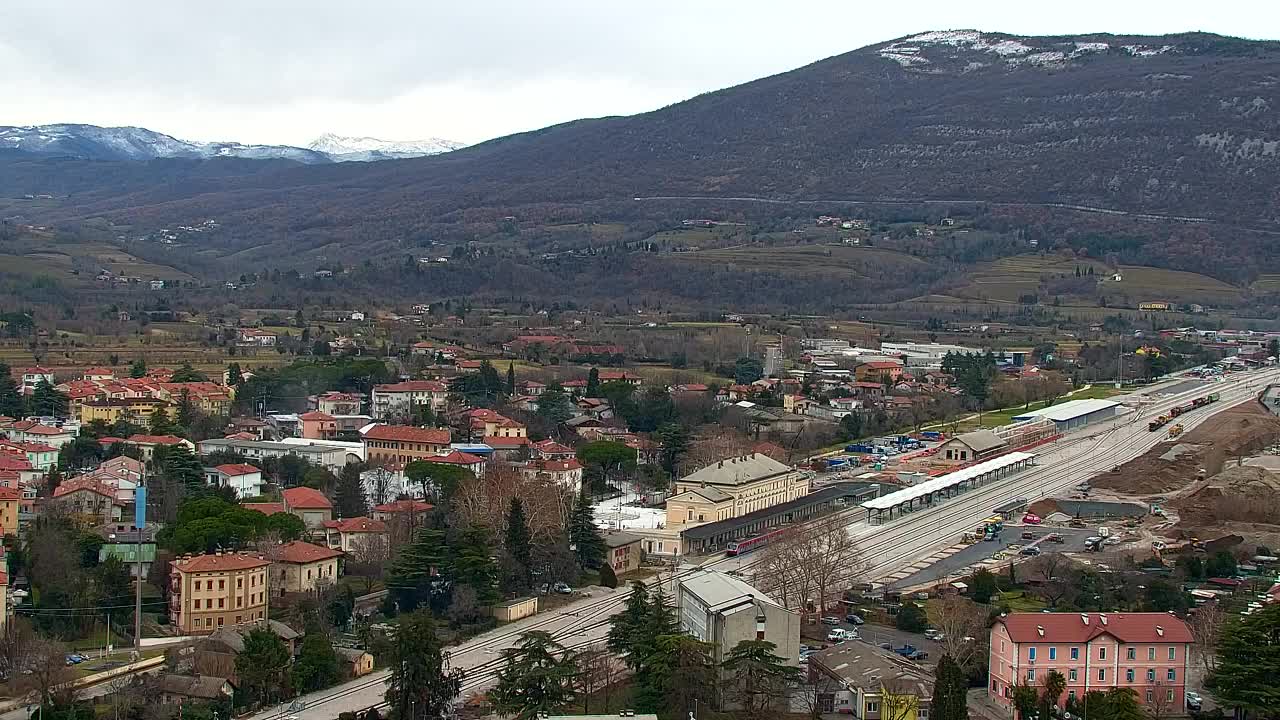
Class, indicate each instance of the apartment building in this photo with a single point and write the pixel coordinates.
(136, 411)
(400, 444)
(397, 399)
(1146, 652)
(720, 609)
(301, 566)
(207, 592)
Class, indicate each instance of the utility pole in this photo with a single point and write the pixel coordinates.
(140, 524)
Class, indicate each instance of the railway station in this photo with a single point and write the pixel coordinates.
(916, 497)
(714, 536)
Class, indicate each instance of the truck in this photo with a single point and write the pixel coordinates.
(859, 448)
(911, 652)
(931, 435)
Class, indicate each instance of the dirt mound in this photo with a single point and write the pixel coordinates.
(1169, 466)
(1238, 494)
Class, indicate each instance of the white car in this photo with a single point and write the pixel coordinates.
(840, 635)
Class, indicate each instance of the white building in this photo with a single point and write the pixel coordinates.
(720, 609)
(245, 479)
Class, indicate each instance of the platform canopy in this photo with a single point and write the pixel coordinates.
(943, 482)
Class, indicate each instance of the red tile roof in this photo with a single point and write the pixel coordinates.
(91, 484)
(315, 415)
(1072, 627)
(407, 433)
(154, 440)
(234, 469)
(299, 552)
(494, 441)
(404, 506)
(10, 461)
(551, 447)
(305, 498)
(456, 457)
(9, 493)
(357, 525)
(38, 429)
(881, 365)
(558, 465)
(266, 508)
(216, 563)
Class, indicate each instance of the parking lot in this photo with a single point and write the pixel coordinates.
(1009, 543)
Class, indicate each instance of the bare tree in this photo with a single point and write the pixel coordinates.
(48, 674)
(818, 685)
(1161, 706)
(597, 670)
(1207, 623)
(898, 699)
(15, 647)
(368, 557)
(831, 557)
(962, 623)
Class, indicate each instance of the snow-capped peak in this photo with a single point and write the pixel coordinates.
(341, 147)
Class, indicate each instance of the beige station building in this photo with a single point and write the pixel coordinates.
(207, 592)
(734, 487)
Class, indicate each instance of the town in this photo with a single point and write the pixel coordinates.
(911, 523)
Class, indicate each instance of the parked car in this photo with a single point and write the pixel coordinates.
(1030, 551)
(934, 635)
(563, 588)
(1031, 519)
(1055, 538)
(1194, 701)
(830, 620)
(854, 619)
(1028, 535)
(840, 635)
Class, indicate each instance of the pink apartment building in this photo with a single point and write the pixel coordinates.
(1147, 652)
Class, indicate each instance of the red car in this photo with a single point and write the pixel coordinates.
(1031, 519)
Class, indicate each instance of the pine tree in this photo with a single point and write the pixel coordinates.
(554, 405)
(183, 468)
(472, 565)
(593, 383)
(680, 676)
(519, 540)
(186, 410)
(235, 376)
(758, 680)
(47, 401)
(511, 379)
(1248, 655)
(626, 625)
(412, 575)
(159, 424)
(584, 535)
(660, 620)
(11, 404)
(538, 677)
(420, 684)
(138, 368)
(949, 692)
(349, 496)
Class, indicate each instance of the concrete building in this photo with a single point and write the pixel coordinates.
(733, 487)
(301, 566)
(925, 355)
(1146, 652)
(10, 499)
(971, 447)
(245, 479)
(623, 551)
(722, 610)
(137, 411)
(402, 444)
(353, 534)
(331, 456)
(207, 592)
(859, 679)
(309, 505)
(1073, 414)
(396, 399)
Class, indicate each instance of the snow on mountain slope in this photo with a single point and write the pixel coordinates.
(345, 148)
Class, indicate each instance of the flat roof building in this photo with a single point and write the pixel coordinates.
(1073, 414)
(722, 610)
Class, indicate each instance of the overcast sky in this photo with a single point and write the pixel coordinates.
(284, 71)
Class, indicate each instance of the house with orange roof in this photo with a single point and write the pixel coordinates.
(474, 463)
(309, 504)
(317, 425)
(21, 467)
(208, 592)
(621, 376)
(90, 496)
(147, 444)
(96, 374)
(351, 534)
(40, 455)
(337, 403)
(301, 567)
(29, 378)
(396, 400)
(266, 508)
(245, 479)
(386, 444)
(565, 473)
(407, 508)
(135, 411)
(10, 500)
(551, 450)
(34, 432)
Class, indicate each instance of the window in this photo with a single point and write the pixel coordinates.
(1168, 695)
(197, 585)
(1075, 653)
(219, 622)
(1071, 675)
(1131, 654)
(1102, 674)
(237, 619)
(1002, 646)
(1053, 653)
(239, 583)
(1173, 653)
(220, 603)
(222, 584)
(1128, 675)
(1031, 653)
(239, 601)
(1031, 674)
(1171, 675)
(1149, 696)
(1071, 694)
(1102, 653)
(208, 622)
(1151, 675)
(1151, 653)
(873, 707)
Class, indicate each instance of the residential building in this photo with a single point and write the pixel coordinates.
(885, 372)
(485, 423)
(123, 541)
(734, 487)
(22, 469)
(42, 457)
(35, 432)
(861, 680)
(350, 534)
(300, 566)
(551, 450)
(337, 403)
(355, 662)
(207, 592)
(147, 444)
(1146, 652)
(1159, 306)
(565, 473)
(136, 411)
(464, 460)
(720, 609)
(10, 500)
(623, 551)
(397, 400)
(256, 337)
(317, 425)
(245, 479)
(511, 449)
(409, 510)
(29, 378)
(387, 444)
(971, 446)
(309, 504)
(178, 689)
(328, 455)
(98, 374)
(90, 496)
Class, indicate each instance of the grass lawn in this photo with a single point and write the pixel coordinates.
(1003, 416)
(1018, 601)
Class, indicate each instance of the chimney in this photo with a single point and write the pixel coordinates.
(1084, 617)
(1160, 630)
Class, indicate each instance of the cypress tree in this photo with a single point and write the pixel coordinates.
(519, 539)
(589, 546)
(511, 379)
(950, 687)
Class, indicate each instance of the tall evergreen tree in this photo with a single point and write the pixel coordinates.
(412, 577)
(421, 683)
(317, 664)
(235, 375)
(138, 368)
(1248, 656)
(159, 423)
(186, 410)
(183, 468)
(349, 495)
(511, 379)
(626, 626)
(950, 688)
(593, 384)
(675, 439)
(493, 385)
(48, 401)
(519, 540)
(11, 404)
(537, 677)
(554, 404)
(472, 565)
(757, 679)
(584, 535)
(679, 677)
(262, 666)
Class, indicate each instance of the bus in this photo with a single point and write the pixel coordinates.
(740, 547)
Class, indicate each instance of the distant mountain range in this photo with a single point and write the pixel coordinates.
(91, 142)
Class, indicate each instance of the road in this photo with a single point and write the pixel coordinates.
(890, 547)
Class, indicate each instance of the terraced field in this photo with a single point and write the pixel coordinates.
(860, 261)
(1007, 279)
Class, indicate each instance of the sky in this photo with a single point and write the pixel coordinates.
(285, 71)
